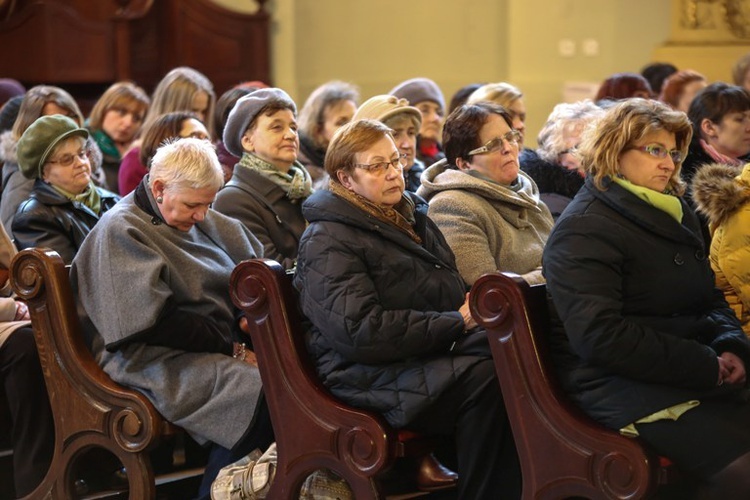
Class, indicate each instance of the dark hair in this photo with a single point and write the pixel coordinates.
(272, 107)
(167, 126)
(461, 128)
(622, 86)
(225, 104)
(461, 95)
(715, 101)
(656, 73)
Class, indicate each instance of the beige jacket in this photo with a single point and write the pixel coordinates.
(489, 227)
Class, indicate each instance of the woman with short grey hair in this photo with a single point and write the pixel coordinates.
(152, 281)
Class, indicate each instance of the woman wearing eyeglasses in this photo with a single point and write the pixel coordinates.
(650, 347)
(489, 211)
(268, 185)
(64, 204)
(380, 287)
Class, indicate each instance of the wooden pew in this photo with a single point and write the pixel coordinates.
(563, 452)
(90, 410)
(313, 429)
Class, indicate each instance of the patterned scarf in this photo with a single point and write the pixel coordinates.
(718, 157)
(297, 183)
(400, 216)
(90, 197)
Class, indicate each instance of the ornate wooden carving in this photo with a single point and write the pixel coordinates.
(563, 452)
(90, 410)
(313, 429)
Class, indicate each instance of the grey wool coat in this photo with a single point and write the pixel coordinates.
(159, 317)
(489, 227)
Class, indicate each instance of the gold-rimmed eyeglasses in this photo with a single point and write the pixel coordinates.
(496, 144)
(381, 167)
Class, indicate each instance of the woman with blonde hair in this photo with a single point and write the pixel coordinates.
(184, 89)
(645, 344)
(508, 96)
(114, 122)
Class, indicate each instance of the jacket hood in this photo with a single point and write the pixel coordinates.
(8, 147)
(720, 190)
(440, 177)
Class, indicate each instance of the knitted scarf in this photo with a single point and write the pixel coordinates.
(297, 183)
(90, 197)
(401, 216)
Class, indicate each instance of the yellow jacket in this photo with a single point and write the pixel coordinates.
(722, 193)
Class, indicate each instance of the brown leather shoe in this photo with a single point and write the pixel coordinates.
(433, 476)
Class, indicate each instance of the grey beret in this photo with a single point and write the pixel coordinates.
(419, 90)
(244, 112)
(37, 143)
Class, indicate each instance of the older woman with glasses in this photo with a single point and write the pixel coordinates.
(489, 211)
(386, 303)
(649, 347)
(64, 204)
(42, 100)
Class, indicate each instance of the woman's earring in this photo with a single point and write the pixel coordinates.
(159, 199)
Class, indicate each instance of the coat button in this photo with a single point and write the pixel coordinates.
(438, 266)
(679, 260)
(700, 254)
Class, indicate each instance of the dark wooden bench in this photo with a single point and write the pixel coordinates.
(563, 452)
(90, 410)
(313, 429)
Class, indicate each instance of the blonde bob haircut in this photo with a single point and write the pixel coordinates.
(501, 93)
(355, 137)
(621, 127)
(185, 164)
(124, 96)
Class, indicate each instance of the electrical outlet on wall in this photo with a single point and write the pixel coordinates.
(566, 47)
(590, 47)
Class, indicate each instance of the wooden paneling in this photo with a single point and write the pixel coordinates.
(75, 43)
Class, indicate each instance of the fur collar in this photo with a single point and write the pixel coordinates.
(8, 148)
(719, 191)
